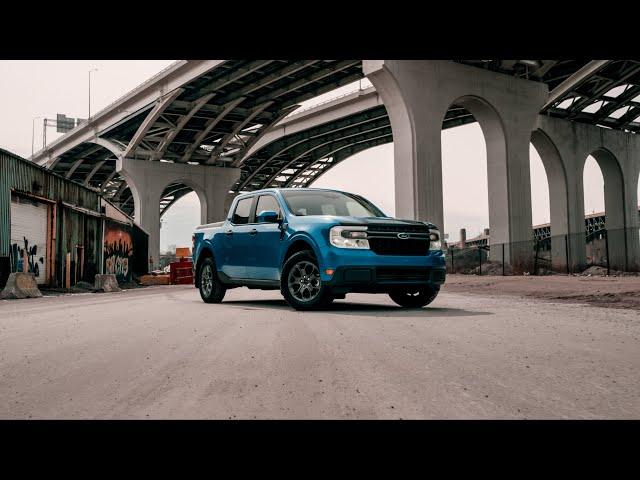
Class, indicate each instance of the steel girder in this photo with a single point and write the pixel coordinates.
(593, 93)
(306, 153)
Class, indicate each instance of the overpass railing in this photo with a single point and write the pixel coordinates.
(605, 252)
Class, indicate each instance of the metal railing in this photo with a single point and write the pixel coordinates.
(609, 251)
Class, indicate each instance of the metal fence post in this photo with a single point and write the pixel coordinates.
(452, 266)
(566, 250)
(503, 260)
(480, 258)
(606, 243)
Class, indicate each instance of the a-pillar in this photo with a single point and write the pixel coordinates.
(147, 181)
(417, 95)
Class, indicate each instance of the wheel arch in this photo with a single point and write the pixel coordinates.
(205, 252)
(299, 244)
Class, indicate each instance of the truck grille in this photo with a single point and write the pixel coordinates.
(384, 240)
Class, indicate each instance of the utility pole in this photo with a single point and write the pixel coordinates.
(91, 70)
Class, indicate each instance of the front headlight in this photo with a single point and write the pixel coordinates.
(349, 237)
(435, 243)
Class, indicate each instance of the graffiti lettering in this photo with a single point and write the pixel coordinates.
(118, 249)
(16, 258)
(118, 266)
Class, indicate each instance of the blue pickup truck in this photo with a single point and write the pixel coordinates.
(317, 245)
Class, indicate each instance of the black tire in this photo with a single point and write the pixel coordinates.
(417, 297)
(212, 290)
(317, 294)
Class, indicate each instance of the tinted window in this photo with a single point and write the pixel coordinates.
(243, 209)
(267, 202)
(330, 203)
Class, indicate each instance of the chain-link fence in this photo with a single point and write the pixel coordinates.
(609, 250)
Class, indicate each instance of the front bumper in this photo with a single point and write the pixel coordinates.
(383, 279)
(364, 271)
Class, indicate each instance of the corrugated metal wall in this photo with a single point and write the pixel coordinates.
(76, 232)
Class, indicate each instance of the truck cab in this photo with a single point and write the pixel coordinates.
(317, 245)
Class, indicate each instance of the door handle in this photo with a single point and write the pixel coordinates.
(228, 232)
(253, 231)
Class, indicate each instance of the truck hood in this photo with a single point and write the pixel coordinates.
(380, 221)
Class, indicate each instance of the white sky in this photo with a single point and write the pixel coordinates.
(44, 88)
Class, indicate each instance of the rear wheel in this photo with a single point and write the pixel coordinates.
(416, 297)
(301, 285)
(211, 288)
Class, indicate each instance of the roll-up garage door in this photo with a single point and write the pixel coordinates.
(29, 234)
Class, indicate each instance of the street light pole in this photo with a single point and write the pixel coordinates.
(91, 70)
(33, 133)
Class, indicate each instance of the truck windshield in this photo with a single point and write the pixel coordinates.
(311, 202)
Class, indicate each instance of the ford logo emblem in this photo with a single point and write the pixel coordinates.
(403, 236)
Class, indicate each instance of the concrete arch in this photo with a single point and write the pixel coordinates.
(135, 194)
(109, 145)
(148, 181)
(494, 134)
(614, 206)
(614, 186)
(555, 170)
(198, 189)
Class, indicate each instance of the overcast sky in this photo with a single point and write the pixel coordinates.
(30, 89)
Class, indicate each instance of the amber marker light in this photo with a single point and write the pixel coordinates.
(329, 271)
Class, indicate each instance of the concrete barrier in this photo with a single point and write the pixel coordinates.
(21, 285)
(106, 283)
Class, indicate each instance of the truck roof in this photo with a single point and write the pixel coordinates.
(275, 189)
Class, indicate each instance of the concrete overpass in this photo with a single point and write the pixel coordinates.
(224, 126)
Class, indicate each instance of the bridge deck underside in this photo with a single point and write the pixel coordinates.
(217, 117)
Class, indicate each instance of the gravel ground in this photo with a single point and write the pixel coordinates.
(601, 291)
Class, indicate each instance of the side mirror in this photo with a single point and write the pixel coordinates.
(268, 216)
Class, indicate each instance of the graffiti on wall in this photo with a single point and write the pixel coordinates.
(118, 250)
(17, 258)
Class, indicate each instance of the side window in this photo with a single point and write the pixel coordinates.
(267, 202)
(242, 211)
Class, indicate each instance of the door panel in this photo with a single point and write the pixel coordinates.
(264, 244)
(235, 240)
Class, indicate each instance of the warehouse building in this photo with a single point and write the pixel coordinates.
(55, 228)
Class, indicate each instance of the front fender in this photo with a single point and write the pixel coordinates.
(306, 237)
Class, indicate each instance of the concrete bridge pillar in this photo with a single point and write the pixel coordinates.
(417, 95)
(567, 145)
(148, 180)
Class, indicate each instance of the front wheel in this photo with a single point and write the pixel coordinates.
(301, 285)
(417, 297)
(211, 288)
